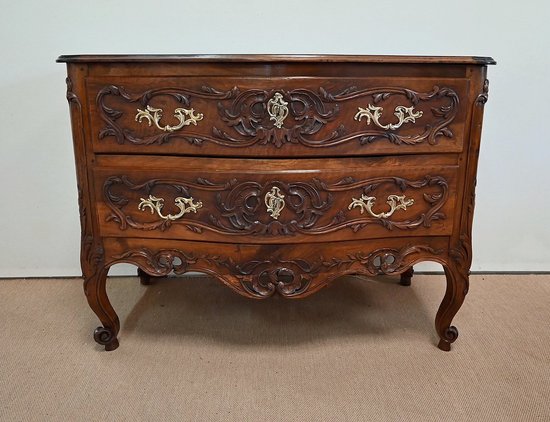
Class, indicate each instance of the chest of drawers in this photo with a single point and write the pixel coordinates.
(276, 174)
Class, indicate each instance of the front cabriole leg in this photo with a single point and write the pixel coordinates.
(95, 277)
(457, 288)
(96, 294)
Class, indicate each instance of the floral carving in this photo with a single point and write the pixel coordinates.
(181, 95)
(303, 113)
(431, 131)
(240, 205)
(290, 277)
(247, 115)
(382, 261)
(256, 278)
(250, 116)
(286, 277)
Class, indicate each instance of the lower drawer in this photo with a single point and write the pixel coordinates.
(274, 201)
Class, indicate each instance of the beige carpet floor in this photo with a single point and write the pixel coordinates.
(192, 350)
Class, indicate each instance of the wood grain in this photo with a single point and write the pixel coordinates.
(323, 161)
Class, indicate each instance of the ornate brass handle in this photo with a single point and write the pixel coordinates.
(404, 114)
(185, 205)
(277, 109)
(395, 202)
(274, 201)
(179, 113)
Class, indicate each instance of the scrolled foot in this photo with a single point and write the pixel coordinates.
(406, 277)
(144, 278)
(106, 337)
(449, 336)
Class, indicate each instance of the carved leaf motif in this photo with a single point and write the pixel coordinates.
(289, 277)
(240, 205)
(248, 120)
(110, 115)
(383, 261)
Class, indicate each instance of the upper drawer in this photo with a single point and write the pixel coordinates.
(277, 117)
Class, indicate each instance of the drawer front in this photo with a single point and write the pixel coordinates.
(281, 117)
(274, 201)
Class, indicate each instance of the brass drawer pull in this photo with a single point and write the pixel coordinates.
(274, 201)
(185, 205)
(179, 113)
(404, 114)
(395, 202)
(277, 109)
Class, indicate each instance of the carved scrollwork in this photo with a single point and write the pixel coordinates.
(240, 211)
(288, 277)
(185, 116)
(160, 263)
(482, 98)
(117, 202)
(240, 208)
(382, 261)
(92, 254)
(104, 335)
(246, 116)
(258, 279)
(256, 116)
(430, 132)
(250, 115)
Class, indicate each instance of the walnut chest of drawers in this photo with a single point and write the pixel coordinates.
(276, 174)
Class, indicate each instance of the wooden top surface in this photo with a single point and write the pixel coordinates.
(273, 58)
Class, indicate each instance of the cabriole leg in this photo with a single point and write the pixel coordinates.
(94, 288)
(457, 288)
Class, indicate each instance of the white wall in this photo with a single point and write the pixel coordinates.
(39, 232)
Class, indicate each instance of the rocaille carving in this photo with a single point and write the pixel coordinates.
(262, 278)
(91, 250)
(251, 116)
(382, 261)
(110, 115)
(239, 205)
(255, 116)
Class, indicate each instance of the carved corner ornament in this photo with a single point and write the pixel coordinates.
(484, 96)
